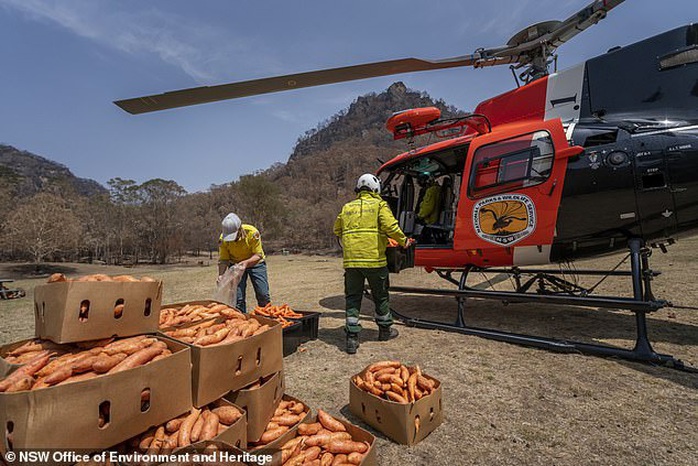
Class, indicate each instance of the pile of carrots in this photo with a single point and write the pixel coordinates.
(279, 313)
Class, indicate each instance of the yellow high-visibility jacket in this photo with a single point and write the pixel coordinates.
(429, 208)
(364, 226)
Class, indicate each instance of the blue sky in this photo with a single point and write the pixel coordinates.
(63, 62)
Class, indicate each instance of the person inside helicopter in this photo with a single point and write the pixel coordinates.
(429, 206)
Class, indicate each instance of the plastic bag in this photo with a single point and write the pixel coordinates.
(227, 285)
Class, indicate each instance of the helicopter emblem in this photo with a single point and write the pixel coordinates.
(504, 219)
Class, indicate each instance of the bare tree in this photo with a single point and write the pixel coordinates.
(42, 226)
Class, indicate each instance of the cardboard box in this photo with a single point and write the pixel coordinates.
(6, 368)
(273, 448)
(358, 434)
(397, 420)
(204, 302)
(219, 369)
(260, 403)
(66, 417)
(234, 436)
(67, 312)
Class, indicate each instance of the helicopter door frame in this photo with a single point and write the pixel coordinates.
(510, 194)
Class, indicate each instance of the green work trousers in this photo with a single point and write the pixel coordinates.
(353, 291)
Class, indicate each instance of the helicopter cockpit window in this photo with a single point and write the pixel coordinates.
(519, 162)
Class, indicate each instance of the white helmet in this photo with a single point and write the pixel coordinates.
(369, 181)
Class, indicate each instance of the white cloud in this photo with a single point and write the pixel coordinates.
(199, 50)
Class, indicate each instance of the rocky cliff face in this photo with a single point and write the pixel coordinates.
(29, 174)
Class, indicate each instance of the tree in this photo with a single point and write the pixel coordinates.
(42, 226)
(158, 221)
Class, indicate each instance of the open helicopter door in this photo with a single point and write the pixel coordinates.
(406, 214)
(512, 186)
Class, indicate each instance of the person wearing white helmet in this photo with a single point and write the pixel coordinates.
(364, 226)
(241, 245)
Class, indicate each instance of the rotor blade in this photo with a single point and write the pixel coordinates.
(200, 95)
(564, 31)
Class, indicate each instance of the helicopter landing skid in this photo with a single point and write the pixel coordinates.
(641, 303)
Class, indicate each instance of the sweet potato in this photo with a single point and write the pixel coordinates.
(330, 423)
(227, 414)
(210, 426)
(145, 442)
(404, 374)
(138, 358)
(346, 447)
(309, 429)
(56, 277)
(173, 425)
(24, 383)
(286, 420)
(425, 384)
(270, 435)
(312, 453)
(395, 397)
(324, 439)
(158, 440)
(217, 337)
(411, 385)
(296, 408)
(184, 437)
(104, 363)
(195, 435)
(326, 459)
(79, 378)
(339, 459)
(355, 458)
(383, 364)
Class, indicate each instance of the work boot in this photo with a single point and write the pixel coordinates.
(352, 343)
(387, 333)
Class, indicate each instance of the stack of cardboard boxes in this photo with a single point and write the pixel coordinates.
(115, 409)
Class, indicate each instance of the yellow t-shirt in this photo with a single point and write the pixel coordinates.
(245, 246)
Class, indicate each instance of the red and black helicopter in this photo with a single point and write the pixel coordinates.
(590, 160)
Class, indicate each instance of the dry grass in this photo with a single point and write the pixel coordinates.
(505, 404)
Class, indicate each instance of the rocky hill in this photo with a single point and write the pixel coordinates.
(29, 174)
(326, 161)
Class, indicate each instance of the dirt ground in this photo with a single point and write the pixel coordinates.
(504, 404)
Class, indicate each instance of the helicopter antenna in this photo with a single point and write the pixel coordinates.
(530, 49)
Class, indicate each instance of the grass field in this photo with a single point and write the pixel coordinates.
(504, 404)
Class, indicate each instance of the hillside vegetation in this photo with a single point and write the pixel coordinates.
(56, 216)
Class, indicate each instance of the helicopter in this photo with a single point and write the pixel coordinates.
(587, 161)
